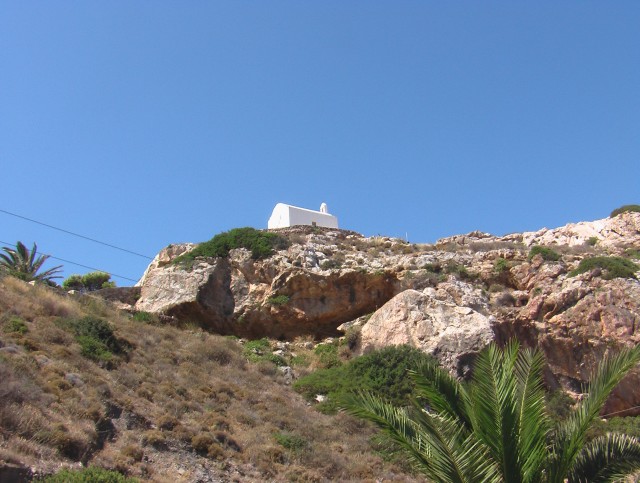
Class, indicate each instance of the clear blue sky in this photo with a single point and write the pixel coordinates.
(144, 123)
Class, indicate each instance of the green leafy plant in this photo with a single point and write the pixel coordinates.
(624, 209)
(25, 265)
(260, 350)
(96, 338)
(632, 253)
(147, 317)
(278, 300)
(592, 241)
(611, 267)
(88, 282)
(501, 265)
(459, 270)
(382, 372)
(497, 427)
(260, 243)
(546, 253)
(290, 441)
(15, 325)
(327, 355)
(93, 474)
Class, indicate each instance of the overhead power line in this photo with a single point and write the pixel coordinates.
(77, 235)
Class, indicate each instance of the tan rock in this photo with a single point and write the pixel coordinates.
(452, 334)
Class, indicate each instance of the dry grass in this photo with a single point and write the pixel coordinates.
(175, 399)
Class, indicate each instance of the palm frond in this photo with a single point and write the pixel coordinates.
(444, 393)
(607, 458)
(495, 412)
(571, 434)
(25, 264)
(532, 415)
(438, 446)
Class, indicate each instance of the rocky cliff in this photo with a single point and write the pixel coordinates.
(449, 299)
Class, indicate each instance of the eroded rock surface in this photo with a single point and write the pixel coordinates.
(452, 333)
(448, 299)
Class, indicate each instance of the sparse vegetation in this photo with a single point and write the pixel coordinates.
(611, 267)
(56, 406)
(546, 253)
(625, 209)
(260, 243)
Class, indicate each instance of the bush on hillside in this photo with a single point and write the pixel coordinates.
(611, 267)
(546, 253)
(96, 338)
(383, 372)
(92, 474)
(88, 282)
(624, 209)
(260, 243)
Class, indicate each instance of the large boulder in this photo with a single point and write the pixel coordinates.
(257, 298)
(451, 333)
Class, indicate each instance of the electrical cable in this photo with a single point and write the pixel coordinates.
(76, 234)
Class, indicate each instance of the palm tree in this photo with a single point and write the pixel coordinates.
(496, 428)
(22, 263)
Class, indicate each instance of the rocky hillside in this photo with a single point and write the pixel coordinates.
(571, 291)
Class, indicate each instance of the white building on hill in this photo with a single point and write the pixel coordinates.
(284, 216)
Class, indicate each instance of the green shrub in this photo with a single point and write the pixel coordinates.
(260, 243)
(611, 267)
(328, 355)
(290, 441)
(632, 253)
(592, 241)
(629, 425)
(501, 265)
(88, 282)
(92, 474)
(96, 338)
(432, 267)
(147, 317)
(15, 325)
(278, 300)
(259, 350)
(546, 253)
(624, 209)
(459, 270)
(383, 372)
(94, 349)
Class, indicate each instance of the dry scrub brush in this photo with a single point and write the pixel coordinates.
(172, 399)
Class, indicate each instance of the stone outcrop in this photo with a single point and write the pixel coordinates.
(452, 333)
(255, 298)
(448, 299)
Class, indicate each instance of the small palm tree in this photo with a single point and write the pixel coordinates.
(22, 263)
(497, 429)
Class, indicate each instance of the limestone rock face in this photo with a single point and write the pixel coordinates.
(449, 299)
(610, 232)
(453, 334)
(256, 298)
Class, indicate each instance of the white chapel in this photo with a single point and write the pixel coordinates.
(284, 216)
